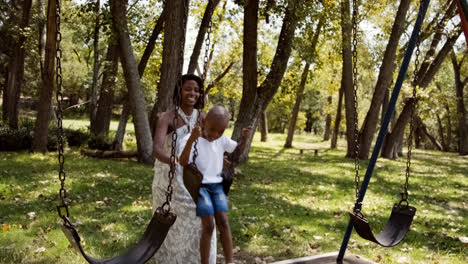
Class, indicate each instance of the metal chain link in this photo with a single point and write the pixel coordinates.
(172, 166)
(404, 194)
(59, 98)
(355, 87)
(205, 71)
(207, 45)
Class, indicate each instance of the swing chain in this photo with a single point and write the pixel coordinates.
(355, 87)
(404, 194)
(205, 71)
(207, 46)
(173, 164)
(59, 98)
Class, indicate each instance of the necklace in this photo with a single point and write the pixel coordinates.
(189, 120)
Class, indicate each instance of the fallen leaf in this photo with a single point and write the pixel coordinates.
(464, 240)
(41, 249)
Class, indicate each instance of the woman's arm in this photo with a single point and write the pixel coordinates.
(162, 126)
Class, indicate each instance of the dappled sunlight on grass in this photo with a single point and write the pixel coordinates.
(283, 204)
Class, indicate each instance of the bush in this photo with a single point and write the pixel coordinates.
(76, 138)
(15, 139)
(100, 142)
(21, 139)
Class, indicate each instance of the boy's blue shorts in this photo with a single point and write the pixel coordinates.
(212, 199)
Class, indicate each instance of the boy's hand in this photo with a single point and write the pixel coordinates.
(196, 133)
(246, 132)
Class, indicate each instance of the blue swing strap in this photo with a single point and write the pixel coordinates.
(360, 221)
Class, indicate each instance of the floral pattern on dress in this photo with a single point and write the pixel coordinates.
(182, 243)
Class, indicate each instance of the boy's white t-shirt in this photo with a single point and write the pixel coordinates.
(210, 156)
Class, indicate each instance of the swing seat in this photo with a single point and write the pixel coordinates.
(152, 239)
(394, 231)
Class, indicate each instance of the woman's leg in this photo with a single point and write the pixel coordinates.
(222, 222)
(205, 239)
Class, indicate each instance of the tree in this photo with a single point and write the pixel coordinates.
(94, 89)
(172, 58)
(462, 113)
(106, 97)
(300, 90)
(119, 135)
(346, 77)
(367, 132)
(39, 143)
(12, 91)
(210, 8)
(422, 80)
(132, 79)
(256, 100)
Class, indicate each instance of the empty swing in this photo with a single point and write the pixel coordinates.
(162, 219)
(400, 220)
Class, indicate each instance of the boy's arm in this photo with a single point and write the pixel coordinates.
(242, 144)
(185, 155)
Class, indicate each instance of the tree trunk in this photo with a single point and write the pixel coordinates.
(269, 87)
(449, 128)
(385, 105)
(263, 127)
(16, 70)
(439, 32)
(423, 82)
(441, 132)
(42, 25)
(210, 7)
(418, 121)
(390, 144)
(328, 120)
(120, 134)
(172, 57)
(297, 104)
(418, 137)
(336, 128)
(384, 80)
(462, 113)
(106, 97)
(249, 68)
(216, 81)
(94, 89)
(152, 42)
(141, 69)
(39, 143)
(132, 79)
(300, 91)
(437, 62)
(347, 76)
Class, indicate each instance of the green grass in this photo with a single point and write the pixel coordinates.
(282, 205)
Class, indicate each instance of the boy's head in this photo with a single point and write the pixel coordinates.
(216, 122)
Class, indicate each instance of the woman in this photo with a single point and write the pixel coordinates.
(182, 244)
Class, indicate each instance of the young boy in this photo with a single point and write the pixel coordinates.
(212, 203)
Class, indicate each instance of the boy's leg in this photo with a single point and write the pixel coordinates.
(205, 211)
(205, 238)
(222, 222)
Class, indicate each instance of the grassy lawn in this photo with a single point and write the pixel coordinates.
(283, 204)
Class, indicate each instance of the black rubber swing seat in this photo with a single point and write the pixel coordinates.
(152, 239)
(394, 231)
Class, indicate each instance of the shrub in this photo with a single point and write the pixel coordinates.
(15, 139)
(76, 138)
(100, 142)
